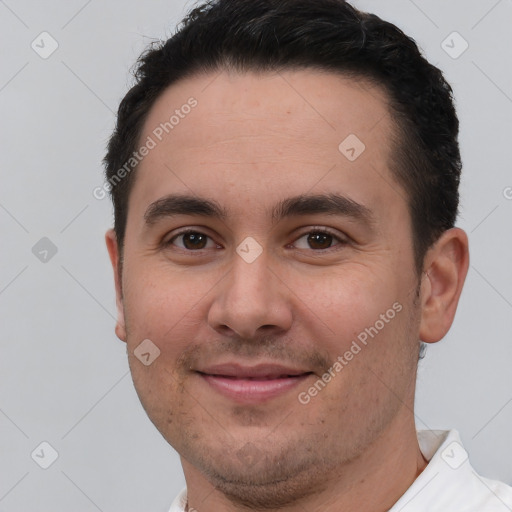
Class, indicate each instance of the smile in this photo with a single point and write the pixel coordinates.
(246, 388)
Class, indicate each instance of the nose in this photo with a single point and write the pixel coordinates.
(251, 300)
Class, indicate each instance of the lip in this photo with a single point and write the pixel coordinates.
(252, 384)
(259, 371)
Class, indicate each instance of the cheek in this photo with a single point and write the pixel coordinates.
(162, 307)
(159, 303)
(345, 302)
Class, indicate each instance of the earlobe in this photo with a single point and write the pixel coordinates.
(113, 251)
(445, 270)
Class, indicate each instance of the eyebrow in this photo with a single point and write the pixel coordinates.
(331, 204)
(172, 205)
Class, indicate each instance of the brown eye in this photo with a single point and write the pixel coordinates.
(194, 240)
(191, 240)
(320, 240)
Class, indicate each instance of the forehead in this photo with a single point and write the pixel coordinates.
(254, 137)
(248, 102)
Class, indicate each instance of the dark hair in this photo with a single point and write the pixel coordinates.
(329, 35)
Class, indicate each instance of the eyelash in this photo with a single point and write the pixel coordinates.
(342, 241)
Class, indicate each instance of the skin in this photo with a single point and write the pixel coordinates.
(254, 140)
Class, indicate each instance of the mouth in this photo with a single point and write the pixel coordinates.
(254, 384)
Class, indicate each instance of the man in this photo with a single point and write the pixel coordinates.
(285, 183)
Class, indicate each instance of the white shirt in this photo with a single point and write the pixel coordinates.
(447, 484)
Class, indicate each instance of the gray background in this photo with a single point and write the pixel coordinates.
(64, 375)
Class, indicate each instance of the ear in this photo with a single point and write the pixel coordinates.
(113, 251)
(445, 269)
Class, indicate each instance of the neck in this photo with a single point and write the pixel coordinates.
(372, 482)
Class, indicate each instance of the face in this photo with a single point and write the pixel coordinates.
(272, 270)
